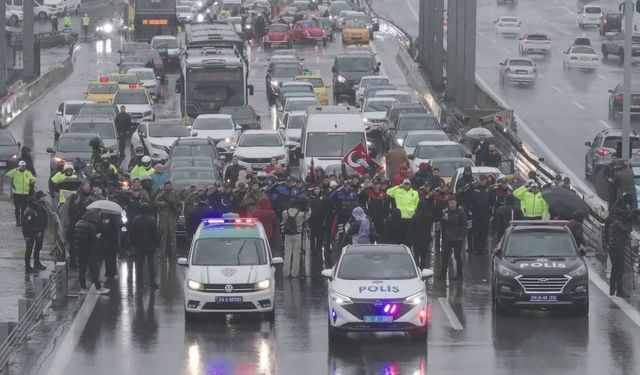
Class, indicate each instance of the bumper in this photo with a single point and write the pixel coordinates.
(590, 22)
(509, 30)
(200, 302)
(342, 319)
(575, 294)
(277, 42)
(579, 64)
(519, 78)
(257, 167)
(345, 88)
(6, 165)
(536, 51)
(353, 39)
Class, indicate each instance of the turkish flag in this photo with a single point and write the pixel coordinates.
(360, 161)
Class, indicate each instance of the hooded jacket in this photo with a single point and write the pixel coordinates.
(360, 229)
(265, 214)
(86, 234)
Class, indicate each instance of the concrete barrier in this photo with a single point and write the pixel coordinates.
(16, 103)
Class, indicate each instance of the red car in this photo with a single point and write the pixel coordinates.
(277, 35)
(308, 30)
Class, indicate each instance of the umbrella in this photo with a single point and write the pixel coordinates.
(564, 202)
(70, 184)
(106, 206)
(475, 133)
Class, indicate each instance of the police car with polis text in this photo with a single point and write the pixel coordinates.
(537, 265)
(377, 288)
(230, 269)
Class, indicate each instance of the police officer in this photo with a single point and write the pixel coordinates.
(85, 25)
(143, 169)
(21, 182)
(532, 204)
(34, 222)
(168, 204)
(66, 22)
(66, 174)
(108, 171)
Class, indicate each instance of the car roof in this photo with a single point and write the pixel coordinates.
(438, 143)
(539, 226)
(93, 120)
(214, 115)
(79, 102)
(380, 99)
(191, 141)
(260, 131)
(297, 83)
(415, 114)
(77, 135)
(392, 92)
(424, 132)
(384, 248)
(163, 122)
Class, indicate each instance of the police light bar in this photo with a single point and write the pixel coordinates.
(104, 79)
(222, 221)
(520, 223)
(132, 85)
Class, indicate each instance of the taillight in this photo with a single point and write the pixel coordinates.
(618, 98)
(603, 151)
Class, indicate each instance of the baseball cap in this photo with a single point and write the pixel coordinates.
(406, 181)
(22, 163)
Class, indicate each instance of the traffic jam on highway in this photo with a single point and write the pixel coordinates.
(252, 145)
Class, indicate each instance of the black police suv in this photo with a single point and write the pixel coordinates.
(536, 265)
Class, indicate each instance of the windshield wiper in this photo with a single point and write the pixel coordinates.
(240, 251)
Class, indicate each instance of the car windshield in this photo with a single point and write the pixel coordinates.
(189, 175)
(299, 105)
(260, 140)
(438, 151)
(537, 37)
(540, 243)
(520, 63)
(296, 122)
(278, 29)
(332, 145)
(508, 19)
(213, 124)
(72, 109)
(168, 130)
(611, 142)
(194, 151)
(448, 168)
(315, 82)
(356, 64)
(6, 140)
(593, 10)
(104, 130)
(336, 7)
(376, 266)
(70, 144)
(131, 48)
(97, 111)
(99, 89)
(358, 18)
(229, 252)
(374, 81)
(413, 140)
(165, 43)
(131, 97)
(297, 88)
(378, 105)
(146, 75)
(124, 79)
(183, 9)
(175, 164)
(584, 50)
(286, 70)
(239, 113)
(418, 123)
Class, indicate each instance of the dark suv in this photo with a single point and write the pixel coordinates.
(611, 22)
(348, 69)
(603, 147)
(615, 101)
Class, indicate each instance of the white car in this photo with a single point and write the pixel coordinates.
(426, 151)
(220, 128)
(229, 269)
(412, 138)
(590, 16)
(300, 103)
(399, 95)
(168, 43)
(138, 103)
(184, 13)
(291, 127)
(368, 81)
(377, 288)
(518, 70)
(508, 25)
(65, 7)
(14, 16)
(157, 137)
(581, 57)
(148, 80)
(43, 12)
(374, 112)
(256, 148)
(65, 112)
(535, 44)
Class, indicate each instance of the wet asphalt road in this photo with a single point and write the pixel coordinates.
(139, 331)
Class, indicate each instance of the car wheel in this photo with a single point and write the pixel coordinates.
(189, 316)
(42, 15)
(582, 310)
(586, 170)
(78, 9)
(335, 334)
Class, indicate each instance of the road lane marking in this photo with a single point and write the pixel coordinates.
(626, 308)
(603, 77)
(577, 104)
(605, 124)
(571, 12)
(558, 90)
(415, 14)
(451, 315)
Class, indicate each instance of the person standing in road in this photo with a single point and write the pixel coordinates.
(21, 183)
(54, 24)
(233, 171)
(66, 23)
(406, 200)
(532, 204)
(619, 229)
(85, 26)
(422, 224)
(68, 173)
(394, 158)
(25, 154)
(145, 239)
(123, 124)
(576, 227)
(480, 149)
(361, 229)
(86, 234)
(623, 182)
(504, 215)
(34, 223)
(159, 176)
(168, 204)
(492, 158)
(267, 216)
(454, 226)
(294, 220)
(482, 202)
(144, 169)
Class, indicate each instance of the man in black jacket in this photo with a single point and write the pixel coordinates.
(454, 226)
(503, 215)
(482, 200)
(123, 124)
(619, 228)
(233, 171)
(86, 233)
(145, 238)
(34, 223)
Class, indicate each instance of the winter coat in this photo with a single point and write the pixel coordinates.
(34, 220)
(267, 216)
(144, 234)
(301, 217)
(199, 212)
(393, 159)
(406, 200)
(85, 236)
(623, 182)
(168, 204)
(503, 216)
(492, 160)
(482, 201)
(454, 224)
(360, 228)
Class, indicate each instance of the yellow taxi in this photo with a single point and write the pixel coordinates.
(125, 80)
(355, 32)
(319, 88)
(101, 91)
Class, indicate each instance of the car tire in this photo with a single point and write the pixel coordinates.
(335, 335)
(270, 316)
(498, 309)
(582, 310)
(42, 15)
(290, 45)
(189, 316)
(419, 334)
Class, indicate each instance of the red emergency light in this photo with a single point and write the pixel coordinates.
(104, 79)
(132, 85)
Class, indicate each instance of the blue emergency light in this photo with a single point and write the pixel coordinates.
(222, 221)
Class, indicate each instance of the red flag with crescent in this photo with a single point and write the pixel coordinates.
(360, 161)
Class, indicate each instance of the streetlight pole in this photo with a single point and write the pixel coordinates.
(629, 9)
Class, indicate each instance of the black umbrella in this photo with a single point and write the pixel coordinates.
(564, 202)
(70, 184)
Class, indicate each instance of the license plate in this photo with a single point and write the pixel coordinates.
(3, 164)
(378, 319)
(543, 298)
(521, 72)
(228, 299)
(258, 165)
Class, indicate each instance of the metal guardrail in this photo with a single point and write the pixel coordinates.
(26, 324)
(47, 40)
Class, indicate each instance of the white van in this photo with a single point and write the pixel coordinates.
(44, 12)
(328, 133)
(64, 7)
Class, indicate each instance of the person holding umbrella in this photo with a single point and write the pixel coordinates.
(86, 234)
(532, 204)
(563, 203)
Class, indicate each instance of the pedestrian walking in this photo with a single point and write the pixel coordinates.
(22, 182)
(54, 24)
(34, 223)
(145, 239)
(123, 125)
(294, 219)
(85, 26)
(532, 204)
(454, 226)
(168, 204)
(406, 200)
(86, 234)
(361, 230)
(110, 243)
(66, 23)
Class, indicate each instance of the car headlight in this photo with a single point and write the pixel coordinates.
(200, 18)
(415, 299)
(107, 28)
(400, 141)
(275, 83)
(228, 140)
(339, 299)
(341, 79)
(504, 271)
(264, 284)
(580, 271)
(365, 119)
(194, 285)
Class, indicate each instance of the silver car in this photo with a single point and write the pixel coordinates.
(518, 70)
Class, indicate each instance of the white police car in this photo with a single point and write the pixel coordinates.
(377, 288)
(229, 269)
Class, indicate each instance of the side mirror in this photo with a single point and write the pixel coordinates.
(250, 88)
(183, 262)
(277, 260)
(194, 134)
(501, 63)
(427, 274)
(282, 126)
(58, 113)
(334, 70)
(328, 273)
(143, 134)
(587, 143)
(238, 127)
(258, 117)
(50, 150)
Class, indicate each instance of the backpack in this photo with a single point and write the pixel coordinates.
(290, 225)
